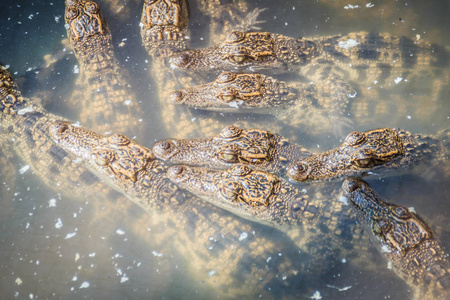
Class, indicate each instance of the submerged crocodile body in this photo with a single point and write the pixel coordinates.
(372, 151)
(133, 169)
(103, 97)
(201, 231)
(164, 33)
(404, 238)
(361, 57)
(316, 108)
(379, 66)
(261, 149)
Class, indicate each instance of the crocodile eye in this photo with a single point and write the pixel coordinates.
(72, 13)
(225, 77)
(104, 157)
(401, 212)
(91, 7)
(364, 163)
(227, 95)
(354, 138)
(230, 132)
(376, 229)
(230, 191)
(239, 58)
(235, 36)
(228, 157)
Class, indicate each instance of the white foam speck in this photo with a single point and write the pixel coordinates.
(316, 296)
(408, 117)
(370, 5)
(84, 285)
(18, 281)
(58, 223)
(397, 80)
(123, 279)
(127, 102)
(343, 199)
(344, 260)
(235, 104)
(77, 257)
(25, 110)
(211, 273)
(70, 235)
(24, 169)
(243, 236)
(348, 44)
(92, 254)
(120, 232)
(155, 253)
(74, 278)
(52, 202)
(76, 70)
(411, 209)
(385, 249)
(350, 7)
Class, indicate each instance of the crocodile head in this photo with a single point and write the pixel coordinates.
(239, 184)
(164, 26)
(373, 150)
(11, 100)
(84, 21)
(232, 145)
(259, 50)
(247, 192)
(116, 155)
(397, 228)
(232, 91)
(404, 238)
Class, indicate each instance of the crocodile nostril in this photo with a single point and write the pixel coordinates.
(176, 173)
(298, 171)
(176, 97)
(180, 60)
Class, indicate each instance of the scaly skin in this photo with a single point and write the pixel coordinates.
(371, 151)
(24, 123)
(261, 149)
(201, 232)
(103, 96)
(250, 193)
(134, 170)
(312, 218)
(164, 32)
(362, 57)
(316, 108)
(404, 238)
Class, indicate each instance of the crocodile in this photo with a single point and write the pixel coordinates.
(103, 97)
(165, 32)
(316, 108)
(201, 232)
(372, 151)
(261, 149)
(404, 238)
(367, 58)
(134, 170)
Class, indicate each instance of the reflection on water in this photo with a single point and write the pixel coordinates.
(53, 244)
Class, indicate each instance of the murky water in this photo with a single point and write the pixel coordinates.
(54, 245)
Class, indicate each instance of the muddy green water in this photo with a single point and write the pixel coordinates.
(60, 247)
